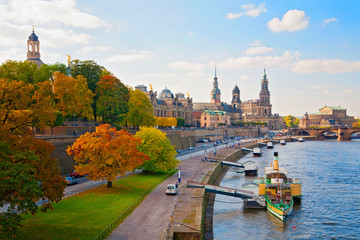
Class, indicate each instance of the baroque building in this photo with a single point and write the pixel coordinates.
(168, 105)
(33, 46)
(328, 116)
(258, 110)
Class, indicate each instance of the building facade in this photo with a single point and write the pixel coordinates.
(33, 46)
(210, 118)
(328, 116)
(258, 110)
(168, 105)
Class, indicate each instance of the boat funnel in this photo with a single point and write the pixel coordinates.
(276, 163)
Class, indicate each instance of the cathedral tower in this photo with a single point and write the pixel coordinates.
(264, 97)
(215, 92)
(236, 102)
(33, 54)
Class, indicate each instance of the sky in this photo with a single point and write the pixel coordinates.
(310, 49)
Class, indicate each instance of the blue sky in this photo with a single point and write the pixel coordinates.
(310, 49)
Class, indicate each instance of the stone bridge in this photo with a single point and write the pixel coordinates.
(343, 134)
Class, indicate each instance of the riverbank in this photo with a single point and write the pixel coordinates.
(192, 214)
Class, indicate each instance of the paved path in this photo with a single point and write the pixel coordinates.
(152, 216)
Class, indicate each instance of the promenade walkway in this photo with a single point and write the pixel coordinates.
(151, 218)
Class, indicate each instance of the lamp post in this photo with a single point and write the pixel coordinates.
(179, 174)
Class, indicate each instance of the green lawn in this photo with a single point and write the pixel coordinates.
(86, 215)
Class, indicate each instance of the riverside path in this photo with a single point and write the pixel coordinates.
(151, 218)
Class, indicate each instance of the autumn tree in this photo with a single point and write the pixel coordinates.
(28, 174)
(158, 147)
(106, 153)
(291, 121)
(140, 110)
(72, 96)
(91, 71)
(356, 124)
(165, 121)
(23, 105)
(113, 97)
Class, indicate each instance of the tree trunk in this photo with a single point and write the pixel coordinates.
(109, 184)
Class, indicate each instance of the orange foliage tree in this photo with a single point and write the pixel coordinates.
(106, 153)
(73, 96)
(23, 105)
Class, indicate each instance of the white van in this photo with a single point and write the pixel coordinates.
(171, 189)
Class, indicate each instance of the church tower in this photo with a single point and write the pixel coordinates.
(33, 54)
(236, 102)
(264, 97)
(215, 92)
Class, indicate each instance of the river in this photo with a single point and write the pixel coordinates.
(330, 207)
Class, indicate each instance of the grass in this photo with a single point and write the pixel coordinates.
(86, 215)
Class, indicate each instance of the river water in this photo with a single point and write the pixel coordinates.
(330, 207)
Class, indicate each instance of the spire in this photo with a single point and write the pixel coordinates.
(215, 78)
(265, 73)
(33, 29)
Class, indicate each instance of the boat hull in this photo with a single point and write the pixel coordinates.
(278, 212)
(257, 154)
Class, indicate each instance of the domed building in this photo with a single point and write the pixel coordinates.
(168, 105)
(33, 53)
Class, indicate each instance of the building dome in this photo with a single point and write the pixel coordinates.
(166, 93)
(33, 37)
(236, 89)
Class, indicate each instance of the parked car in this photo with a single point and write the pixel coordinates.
(171, 189)
(71, 180)
(203, 145)
(75, 174)
(215, 144)
(191, 148)
(178, 150)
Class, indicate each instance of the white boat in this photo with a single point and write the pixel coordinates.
(257, 152)
(250, 168)
(282, 142)
(269, 145)
(301, 139)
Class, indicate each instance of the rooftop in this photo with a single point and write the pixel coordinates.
(212, 112)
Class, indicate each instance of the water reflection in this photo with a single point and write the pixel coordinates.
(330, 206)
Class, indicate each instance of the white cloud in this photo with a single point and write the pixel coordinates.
(184, 65)
(258, 50)
(349, 91)
(249, 10)
(315, 87)
(257, 61)
(293, 20)
(329, 20)
(325, 65)
(197, 75)
(256, 43)
(87, 49)
(134, 56)
(41, 12)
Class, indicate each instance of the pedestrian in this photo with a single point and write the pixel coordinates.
(74, 132)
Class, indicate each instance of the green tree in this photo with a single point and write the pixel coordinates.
(113, 97)
(91, 71)
(291, 121)
(18, 70)
(45, 72)
(27, 174)
(140, 110)
(180, 122)
(158, 147)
